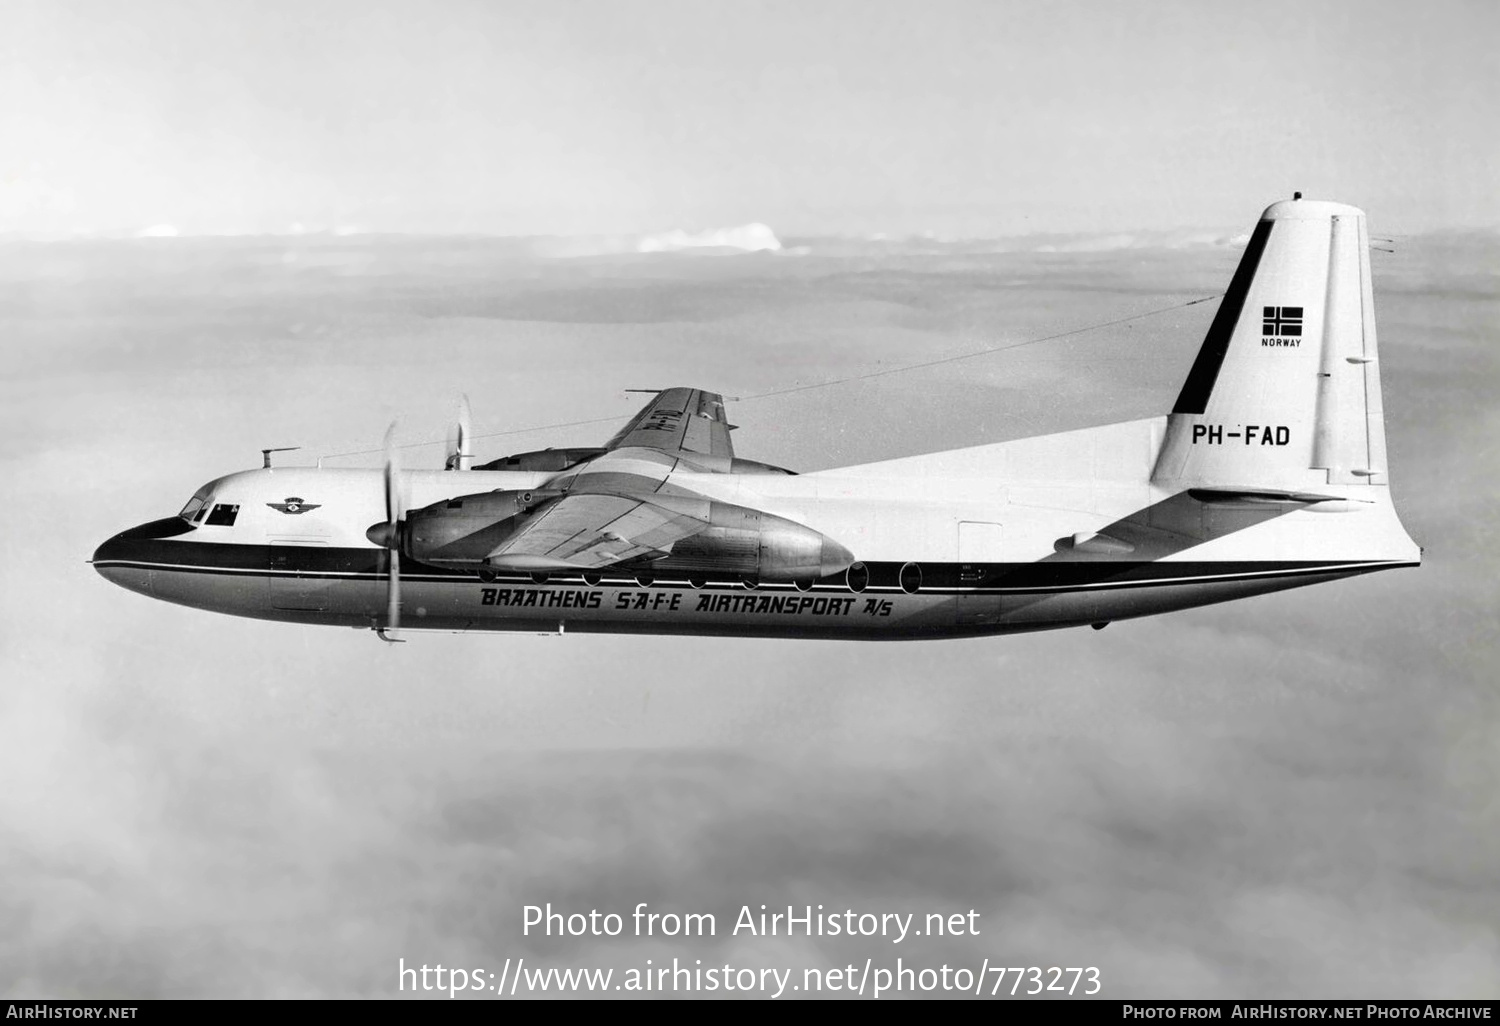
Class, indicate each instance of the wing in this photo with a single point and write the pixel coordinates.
(679, 420)
(589, 531)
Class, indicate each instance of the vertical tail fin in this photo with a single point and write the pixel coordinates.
(1285, 392)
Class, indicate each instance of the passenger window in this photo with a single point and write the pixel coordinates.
(857, 577)
(223, 515)
(911, 578)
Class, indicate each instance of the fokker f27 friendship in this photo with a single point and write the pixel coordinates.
(1269, 473)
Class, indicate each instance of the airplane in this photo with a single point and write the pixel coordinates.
(1269, 473)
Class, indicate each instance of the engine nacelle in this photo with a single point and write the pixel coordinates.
(733, 542)
(548, 460)
(460, 532)
(758, 546)
(552, 461)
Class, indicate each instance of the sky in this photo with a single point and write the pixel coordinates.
(830, 117)
(1293, 795)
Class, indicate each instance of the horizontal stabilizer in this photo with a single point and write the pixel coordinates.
(1264, 495)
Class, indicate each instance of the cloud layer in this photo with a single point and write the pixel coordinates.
(1289, 796)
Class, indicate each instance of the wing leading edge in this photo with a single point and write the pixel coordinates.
(589, 531)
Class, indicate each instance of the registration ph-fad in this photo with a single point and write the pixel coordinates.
(594, 923)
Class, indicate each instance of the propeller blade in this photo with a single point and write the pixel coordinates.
(460, 437)
(389, 533)
(393, 593)
(394, 507)
(451, 445)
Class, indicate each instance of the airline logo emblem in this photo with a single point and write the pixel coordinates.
(293, 504)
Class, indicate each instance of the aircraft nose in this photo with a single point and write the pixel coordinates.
(121, 559)
(114, 563)
(114, 549)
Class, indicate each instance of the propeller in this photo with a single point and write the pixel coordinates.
(460, 435)
(388, 534)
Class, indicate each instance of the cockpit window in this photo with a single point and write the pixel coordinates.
(223, 515)
(195, 506)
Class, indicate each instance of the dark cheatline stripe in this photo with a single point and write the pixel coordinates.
(167, 527)
(937, 578)
(1206, 573)
(1200, 380)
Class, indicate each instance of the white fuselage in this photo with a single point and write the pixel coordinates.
(1056, 531)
